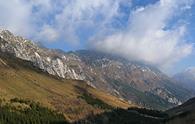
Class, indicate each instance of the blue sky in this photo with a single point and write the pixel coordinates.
(159, 32)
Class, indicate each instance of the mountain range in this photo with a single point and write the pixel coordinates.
(87, 87)
(131, 81)
(186, 78)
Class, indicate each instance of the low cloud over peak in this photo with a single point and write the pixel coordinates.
(149, 38)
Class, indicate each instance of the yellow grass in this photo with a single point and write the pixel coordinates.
(58, 94)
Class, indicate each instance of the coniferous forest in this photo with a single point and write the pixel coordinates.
(18, 111)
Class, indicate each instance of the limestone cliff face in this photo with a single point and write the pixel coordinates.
(133, 81)
(48, 60)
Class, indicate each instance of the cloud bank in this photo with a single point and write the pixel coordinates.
(144, 33)
(53, 20)
(15, 16)
(148, 37)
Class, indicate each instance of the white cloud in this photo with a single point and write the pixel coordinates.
(38, 19)
(48, 33)
(82, 15)
(147, 37)
(15, 16)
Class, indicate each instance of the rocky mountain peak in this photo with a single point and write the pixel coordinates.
(52, 62)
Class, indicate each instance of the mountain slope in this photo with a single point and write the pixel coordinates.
(75, 99)
(135, 82)
(183, 114)
(130, 116)
(186, 78)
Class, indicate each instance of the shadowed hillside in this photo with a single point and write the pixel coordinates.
(130, 116)
(183, 114)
